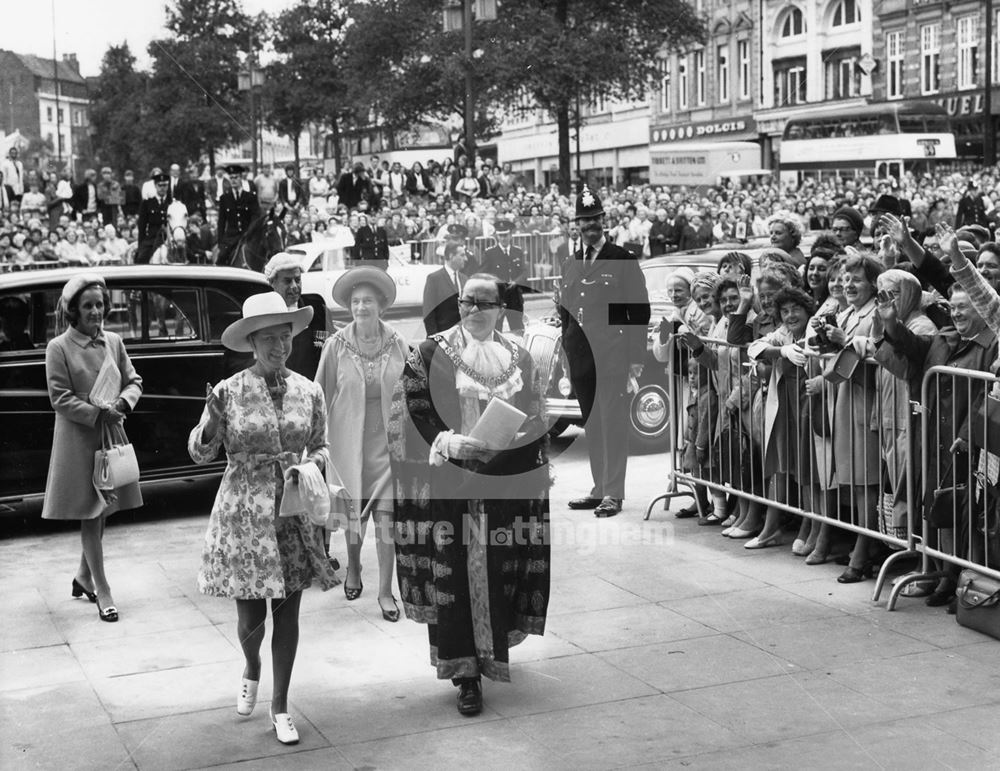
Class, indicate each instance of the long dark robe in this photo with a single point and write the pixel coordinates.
(473, 562)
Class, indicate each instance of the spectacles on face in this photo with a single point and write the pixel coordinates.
(844, 229)
(481, 305)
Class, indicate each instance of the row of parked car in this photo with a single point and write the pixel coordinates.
(171, 319)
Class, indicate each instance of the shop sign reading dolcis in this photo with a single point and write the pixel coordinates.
(702, 130)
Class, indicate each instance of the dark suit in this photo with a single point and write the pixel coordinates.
(81, 195)
(511, 267)
(235, 215)
(353, 189)
(152, 220)
(604, 310)
(440, 305)
(301, 192)
(372, 246)
(132, 196)
(307, 346)
(191, 193)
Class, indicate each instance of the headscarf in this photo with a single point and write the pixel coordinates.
(706, 279)
(685, 274)
(909, 289)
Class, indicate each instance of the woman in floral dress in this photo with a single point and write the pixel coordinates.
(268, 419)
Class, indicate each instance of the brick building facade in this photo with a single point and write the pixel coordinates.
(936, 50)
(29, 104)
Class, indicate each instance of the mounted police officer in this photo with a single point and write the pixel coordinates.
(604, 310)
(508, 263)
(153, 220)
(238, 207)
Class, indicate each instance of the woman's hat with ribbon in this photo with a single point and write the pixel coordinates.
(260, 311)
(364, 274)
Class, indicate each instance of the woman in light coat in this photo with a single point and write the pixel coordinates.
(73, 362)
(358, 369)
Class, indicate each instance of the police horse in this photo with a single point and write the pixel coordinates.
(265, 237)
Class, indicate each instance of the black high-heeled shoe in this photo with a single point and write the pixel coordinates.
(352, 593)
(854, 575)
(390, 615)
(109, 613)
(79, 591)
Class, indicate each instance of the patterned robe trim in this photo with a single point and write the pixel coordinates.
(479, 585)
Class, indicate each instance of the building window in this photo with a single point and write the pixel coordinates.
(722, 61)
(996, 48)
(699, 75)
(682, 82)
(62, 115)
(968, 51)
(930, 58)
(743, 54)
(48, 114)
(664, 68)
(794, 24)
(846, 12)
(789, 83)
(842, 76)
(894, 65)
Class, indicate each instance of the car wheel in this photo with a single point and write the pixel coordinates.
(649, 419)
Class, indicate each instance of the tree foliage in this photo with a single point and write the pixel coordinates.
(306, 84)
(193, 106)
(116, 110)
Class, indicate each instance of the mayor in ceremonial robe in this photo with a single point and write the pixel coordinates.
(472, 524)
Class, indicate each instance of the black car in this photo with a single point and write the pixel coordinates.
(171, 319)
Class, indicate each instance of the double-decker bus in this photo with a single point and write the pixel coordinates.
(881, 139)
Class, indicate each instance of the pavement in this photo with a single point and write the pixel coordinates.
(667, 646)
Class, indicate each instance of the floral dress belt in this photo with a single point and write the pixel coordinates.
(257, 459)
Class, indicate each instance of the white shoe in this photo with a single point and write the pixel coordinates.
(246, 699)
(284, 728)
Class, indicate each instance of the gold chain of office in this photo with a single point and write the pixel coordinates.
(489, 382)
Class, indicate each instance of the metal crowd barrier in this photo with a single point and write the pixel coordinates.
(961, 512)
(894, 460)
(814, 463)
(540, 249)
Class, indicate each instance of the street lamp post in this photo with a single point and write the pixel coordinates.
(248, 80)
(460, 14)
(989, 137)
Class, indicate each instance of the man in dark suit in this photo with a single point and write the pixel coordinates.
(440, 305)
(131, 196)
(153, 220)
(354, 186)
(191, 192)
(85, 200)
(238, 207)
(284, 273)
(291, 191)
(604, 311)
(509, 264)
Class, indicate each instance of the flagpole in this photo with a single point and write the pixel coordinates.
(55, 75)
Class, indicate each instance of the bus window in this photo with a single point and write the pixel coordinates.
(912, 124)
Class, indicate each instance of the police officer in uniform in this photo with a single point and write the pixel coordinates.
(604, 310)
(508, 263)
(238, 207)
(153, 220)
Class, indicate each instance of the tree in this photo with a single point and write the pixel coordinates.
(193, 103)
(407, 68)
(116, 109)
(559, 49)
(306, 84)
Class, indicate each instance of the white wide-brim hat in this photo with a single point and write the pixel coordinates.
(260, 311)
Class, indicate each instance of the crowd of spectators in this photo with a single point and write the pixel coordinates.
(51, 219)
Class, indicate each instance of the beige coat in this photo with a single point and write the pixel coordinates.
(341, 376)
(72, 362)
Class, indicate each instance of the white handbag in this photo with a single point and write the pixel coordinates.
(115, 464)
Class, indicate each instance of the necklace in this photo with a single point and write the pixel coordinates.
(369, 360)
(491, 383)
